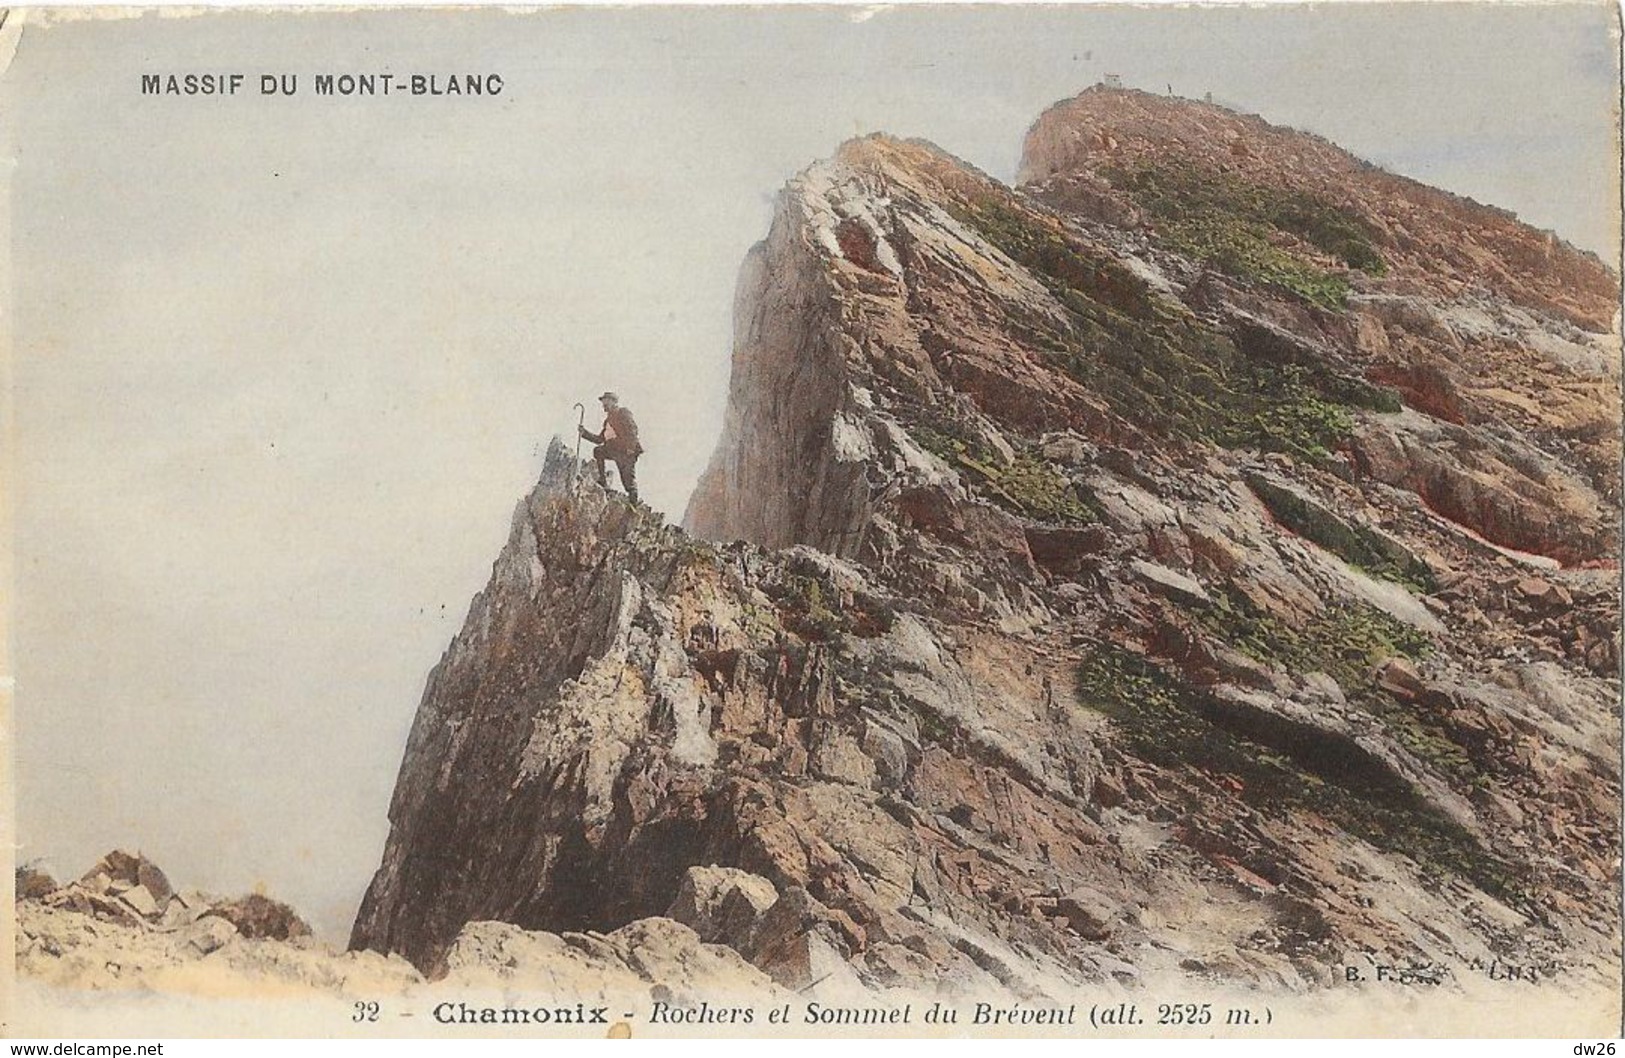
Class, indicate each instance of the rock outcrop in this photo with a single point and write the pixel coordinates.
(1197, 561)
(128, 889)
(122, 886)
(259, 946)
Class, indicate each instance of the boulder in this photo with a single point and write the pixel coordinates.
(723, 904)
(33, 883)
(256, 917)
(116, 866)
(177, 914)
(888, 751)
(1087, 911)
(798, 941)
(113, 909)
(209, 934)
(133, 879)
(1398, 676)
(141, 901)
(149, 877)
(1170, 583)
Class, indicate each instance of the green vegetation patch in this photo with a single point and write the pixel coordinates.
(1235, 225)
(1099, 286)
(1289, 413)
(1171, 724)
(1029, 486)
(1360, 547)
(1158, 365)
(1346, 642)
(933, 727)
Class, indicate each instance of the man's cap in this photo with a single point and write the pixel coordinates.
(608, 395)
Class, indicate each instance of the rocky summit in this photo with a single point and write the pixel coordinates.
(1196, 561)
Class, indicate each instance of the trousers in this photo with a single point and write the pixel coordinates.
(626, 465)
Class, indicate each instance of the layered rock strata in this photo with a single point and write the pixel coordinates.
(1197, 561)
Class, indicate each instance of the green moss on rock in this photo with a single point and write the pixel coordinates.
(1360, 547)
(1346, 642)
(808, 606)
(1170, 724)
(1237, 226)
(1154, 362)
(1029, 485)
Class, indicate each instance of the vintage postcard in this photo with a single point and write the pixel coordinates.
(1071, 520)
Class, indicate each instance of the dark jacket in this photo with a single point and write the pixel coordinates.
(619, 434)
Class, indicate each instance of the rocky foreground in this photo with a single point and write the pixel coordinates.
(93, 960)
(123, 927)
(1198, 563)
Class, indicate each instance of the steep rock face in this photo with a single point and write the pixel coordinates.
(789, 479)
(1192, 563)
(515, 764)
(624, 703)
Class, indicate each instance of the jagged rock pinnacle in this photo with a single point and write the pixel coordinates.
(559, 467)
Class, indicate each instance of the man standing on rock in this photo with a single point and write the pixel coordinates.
(616, 440)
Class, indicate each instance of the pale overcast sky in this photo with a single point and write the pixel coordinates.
(282, 367)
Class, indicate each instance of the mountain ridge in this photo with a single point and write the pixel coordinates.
(1160, 569)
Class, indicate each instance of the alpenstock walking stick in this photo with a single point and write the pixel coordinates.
(581, 424)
